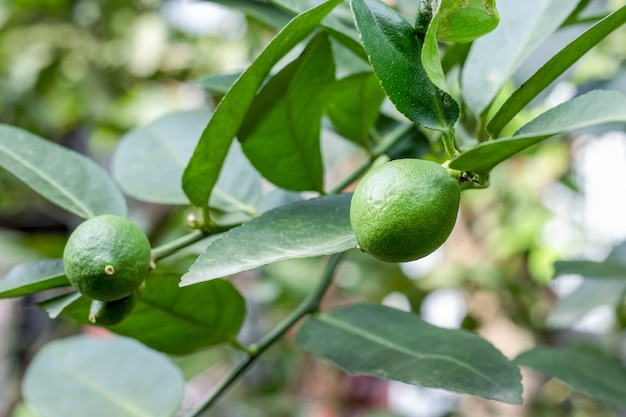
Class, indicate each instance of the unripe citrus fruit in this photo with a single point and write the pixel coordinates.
(110, 313)
(404, 209)
(107, 257)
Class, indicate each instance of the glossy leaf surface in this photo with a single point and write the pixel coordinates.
(380, 341)
(201, 174)
(304, 229)
(394, 52)
(80, 376)
(281, 132)
(60, 175)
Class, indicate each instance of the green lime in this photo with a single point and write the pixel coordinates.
(404, 209)
(110, 313)
(107, 257)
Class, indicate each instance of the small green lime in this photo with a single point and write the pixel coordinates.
(107, 257)
(110, 313)
(404, 209)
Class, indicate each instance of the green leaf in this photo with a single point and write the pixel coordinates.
(32, 277)
(590, 269)
(394, 53)
(430, 54)
(281, 133)
(304, 229)
(178, 320)
(464, 21)
(62, 176)
(80, 376)
(354, 106)
(495, 57)
(601, 377)
(149, 162)
(379, 341)
(208, 157)
(593, 108)
(556, 66)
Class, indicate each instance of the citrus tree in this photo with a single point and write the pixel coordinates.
(429, 87)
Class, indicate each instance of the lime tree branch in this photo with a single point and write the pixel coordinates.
(310, 305)
(174, 246)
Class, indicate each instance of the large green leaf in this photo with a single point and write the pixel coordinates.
(593, 108)
(556, 66)
(495, 57)
(203, 169)
(394, 52)
(354, 106)
(599, 376)
(149, 162)
(177, 320)
(309, 228)
(64, 177)
(380, 341)
(281, 132)
(31, 277)
(80, 376)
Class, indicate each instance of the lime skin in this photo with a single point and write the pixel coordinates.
(107, 257)
(404, 209)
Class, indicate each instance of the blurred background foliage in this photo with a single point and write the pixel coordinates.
(82, 73)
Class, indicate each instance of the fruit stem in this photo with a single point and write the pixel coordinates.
(310, 305)
(387, 142)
